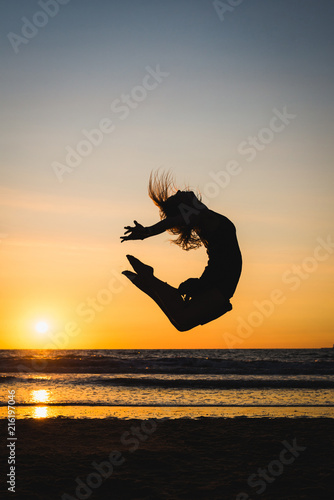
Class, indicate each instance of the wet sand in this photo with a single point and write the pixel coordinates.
(208, 458)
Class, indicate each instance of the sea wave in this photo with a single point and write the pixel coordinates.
(187, 382)
(242, 362)
(211, 384)
(166, 365)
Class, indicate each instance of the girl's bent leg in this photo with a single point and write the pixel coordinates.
(183, 315)
(150, 290)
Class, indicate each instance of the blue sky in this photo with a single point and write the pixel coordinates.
(225, 78)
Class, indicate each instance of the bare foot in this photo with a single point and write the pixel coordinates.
(140, 268)
(140, 282)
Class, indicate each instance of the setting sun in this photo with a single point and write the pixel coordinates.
(41, 327)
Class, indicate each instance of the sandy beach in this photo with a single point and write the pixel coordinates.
(207, 458)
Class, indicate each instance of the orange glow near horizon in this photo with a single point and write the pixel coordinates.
(90, 304)
(106, 311)
(65, 267)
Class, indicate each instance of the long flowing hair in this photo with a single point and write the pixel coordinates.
(170, 201)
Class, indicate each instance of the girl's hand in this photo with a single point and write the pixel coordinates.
(137, 232)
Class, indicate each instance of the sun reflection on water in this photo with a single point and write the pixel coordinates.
(40, 396)
(40, 412)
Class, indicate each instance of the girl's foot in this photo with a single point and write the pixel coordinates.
(140, 282)
(140, 268)
(130, 275)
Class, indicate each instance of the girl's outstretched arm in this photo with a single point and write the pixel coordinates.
(139, 232)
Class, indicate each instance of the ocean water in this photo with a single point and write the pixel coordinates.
(168, 383)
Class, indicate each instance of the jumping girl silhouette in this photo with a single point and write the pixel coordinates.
(196, 301)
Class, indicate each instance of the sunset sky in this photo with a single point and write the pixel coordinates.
(237, 102)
